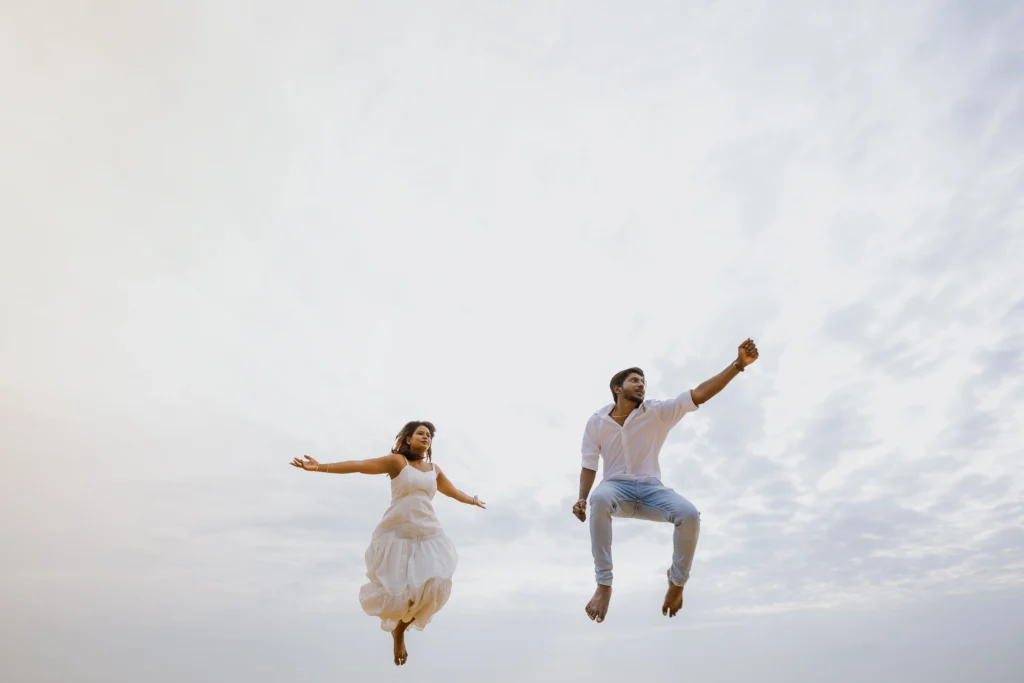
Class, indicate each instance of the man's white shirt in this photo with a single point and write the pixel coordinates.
(630, 452)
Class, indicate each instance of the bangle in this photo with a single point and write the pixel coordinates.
(736, 364)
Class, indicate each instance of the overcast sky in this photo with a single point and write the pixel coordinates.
(236, 232)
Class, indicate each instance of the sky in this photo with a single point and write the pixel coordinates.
(237, 232)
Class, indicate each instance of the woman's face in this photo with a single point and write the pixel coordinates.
(420, 439)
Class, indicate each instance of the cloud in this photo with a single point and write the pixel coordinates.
(236, 236)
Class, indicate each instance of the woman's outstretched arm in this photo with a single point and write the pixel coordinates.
(389, 464)
(445, 486)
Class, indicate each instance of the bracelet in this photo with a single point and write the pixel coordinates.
(736, 364)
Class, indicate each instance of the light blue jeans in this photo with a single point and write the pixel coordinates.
(636, 500)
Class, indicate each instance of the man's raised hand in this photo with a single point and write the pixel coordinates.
(747, 353)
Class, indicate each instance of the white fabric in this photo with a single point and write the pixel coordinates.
(410, 561)
(630, 452)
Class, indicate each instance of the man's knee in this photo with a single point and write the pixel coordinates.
(686, 514)
(602, 500)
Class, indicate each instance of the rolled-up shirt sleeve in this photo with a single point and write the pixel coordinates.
(591, 448)
(673, 409)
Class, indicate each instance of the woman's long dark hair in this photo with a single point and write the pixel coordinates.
(402, 446)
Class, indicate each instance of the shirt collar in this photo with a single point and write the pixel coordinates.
(607, 410)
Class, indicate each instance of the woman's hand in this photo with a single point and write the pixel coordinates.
(479, 503)
(309, 464)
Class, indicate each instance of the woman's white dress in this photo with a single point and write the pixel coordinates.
(410, 561)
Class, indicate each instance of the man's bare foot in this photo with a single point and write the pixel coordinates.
(673, 599)
(401, 654)
(597, 608)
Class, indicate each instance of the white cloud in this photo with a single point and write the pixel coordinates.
(234, 234)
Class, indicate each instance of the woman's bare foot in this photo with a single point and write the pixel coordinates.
(597, 608)
(673, 599)
(401, 654)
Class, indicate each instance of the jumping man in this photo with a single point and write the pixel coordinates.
(628, 435)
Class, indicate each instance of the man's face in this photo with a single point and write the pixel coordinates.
(633, 388)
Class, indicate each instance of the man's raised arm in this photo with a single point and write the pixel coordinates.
(707, 390)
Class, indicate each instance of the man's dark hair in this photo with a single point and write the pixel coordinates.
(620, 377)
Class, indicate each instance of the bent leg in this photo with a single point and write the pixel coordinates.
(662, 504)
